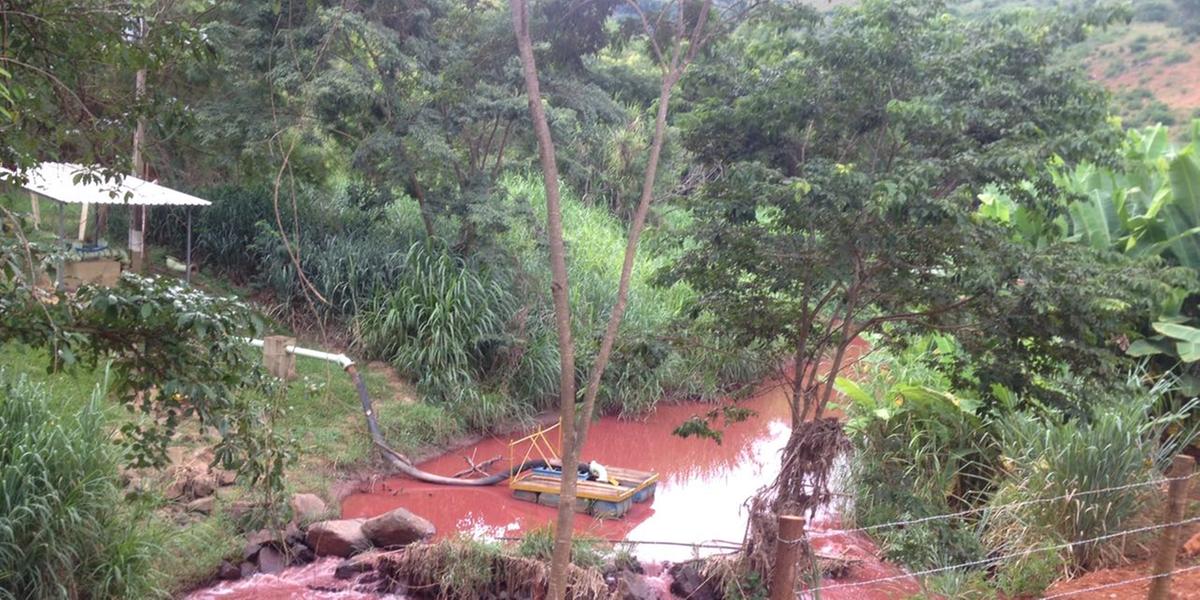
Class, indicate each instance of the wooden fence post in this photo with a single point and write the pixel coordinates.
(783, 580)
(278, 361)
(1168, 544)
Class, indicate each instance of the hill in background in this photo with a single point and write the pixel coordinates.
(1152, 65)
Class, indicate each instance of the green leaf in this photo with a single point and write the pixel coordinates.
(1188, 351)
(1177, 331)
(852, 390)
(1149, 347)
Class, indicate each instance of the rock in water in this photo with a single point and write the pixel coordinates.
(631, 586)
(397, 528)
(689, 582)
(228, 572)
(341, 537)
(351, 567)
(271, 561)
(248, 568)
(306, 507)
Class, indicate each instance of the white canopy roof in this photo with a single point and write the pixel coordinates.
(56, 181)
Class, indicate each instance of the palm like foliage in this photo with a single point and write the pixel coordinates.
(1152, 208)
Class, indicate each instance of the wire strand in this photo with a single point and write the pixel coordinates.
(1011, 505)
(1120, 583)
(709, 544)
(996, 559)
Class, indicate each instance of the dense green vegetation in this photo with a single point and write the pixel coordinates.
(64, 530)
(939, 183)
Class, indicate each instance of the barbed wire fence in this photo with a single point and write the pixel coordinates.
(1163, 567)
(1170, 544)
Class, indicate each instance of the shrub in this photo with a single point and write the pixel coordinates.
(466, 568)
(920, 451)
(1119, 442)
(587, 552)
(1177, 57)
(437, 323)
(63, 530)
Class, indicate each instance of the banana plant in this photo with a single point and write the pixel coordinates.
(1151, 208)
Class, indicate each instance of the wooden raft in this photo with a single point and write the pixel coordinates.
(597, 498)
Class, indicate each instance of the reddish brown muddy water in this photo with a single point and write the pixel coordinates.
(702, 488)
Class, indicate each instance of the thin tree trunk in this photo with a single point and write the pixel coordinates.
(137, 218)
(561, 556)
(798, 404)
(419, 194)
(575, 428)
(635, 233)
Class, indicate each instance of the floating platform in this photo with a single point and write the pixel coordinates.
(607, 499)
(596, 498)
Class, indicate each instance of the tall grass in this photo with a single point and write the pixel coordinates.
(1120, 442)
(662, 350)
(63, 530)
(476, 332)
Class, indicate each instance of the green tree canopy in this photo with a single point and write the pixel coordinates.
(845, 155)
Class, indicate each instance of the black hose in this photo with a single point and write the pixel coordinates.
(405, 466)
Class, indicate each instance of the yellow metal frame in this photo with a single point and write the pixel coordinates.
(539, 442)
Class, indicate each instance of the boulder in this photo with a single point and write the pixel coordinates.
(306, 507)
(271, 561)
(687, 581)
(248, 568)
(202, 486)
(397, 528)
(339, 537)
(255, 542)
(301, 554)
(228, 572)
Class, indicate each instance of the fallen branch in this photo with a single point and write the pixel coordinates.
(480, 468)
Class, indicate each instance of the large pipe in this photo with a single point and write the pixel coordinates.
(400, 462)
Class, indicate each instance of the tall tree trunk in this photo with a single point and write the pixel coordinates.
(137, 217)
(575, 427)
(561, 556)
(419, 193)
(635, 234)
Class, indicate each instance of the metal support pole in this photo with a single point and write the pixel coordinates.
(187, 274)
(37, 211)
(1168, 543)
(783, 580)
(62, 264)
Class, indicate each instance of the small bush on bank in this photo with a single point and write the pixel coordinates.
(1119, 443)
(586, 552)
(465, 568)
(64, 532)
(434, 323)
(920, 451)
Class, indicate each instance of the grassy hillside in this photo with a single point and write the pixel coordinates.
(1151, 65)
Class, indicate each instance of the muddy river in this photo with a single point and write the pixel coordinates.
(702, 488)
